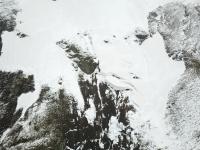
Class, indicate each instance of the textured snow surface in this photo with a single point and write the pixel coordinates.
(91, 112)
(108, 23)
(114, 129)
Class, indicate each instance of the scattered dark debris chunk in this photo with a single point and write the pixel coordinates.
(127, 89)
(136, 77)
(126, 38)
(85, 34)
(106, 41)
(21, 35)
(141, 36)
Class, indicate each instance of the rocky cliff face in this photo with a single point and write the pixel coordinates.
(178, 24)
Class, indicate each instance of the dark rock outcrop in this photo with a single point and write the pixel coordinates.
(12, 85)
(83, 60)
(140, 35)
(44, 124)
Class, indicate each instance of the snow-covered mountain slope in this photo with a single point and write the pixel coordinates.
(61, 19)
(88, 49)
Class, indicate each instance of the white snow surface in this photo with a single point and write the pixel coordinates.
(91, 112)
(46, 22)
(114, 129)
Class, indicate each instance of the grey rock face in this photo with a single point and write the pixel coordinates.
(183, 109)
(12, 85)
(44, 124)
(8, 14)
(179, 25)
(83, 60)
